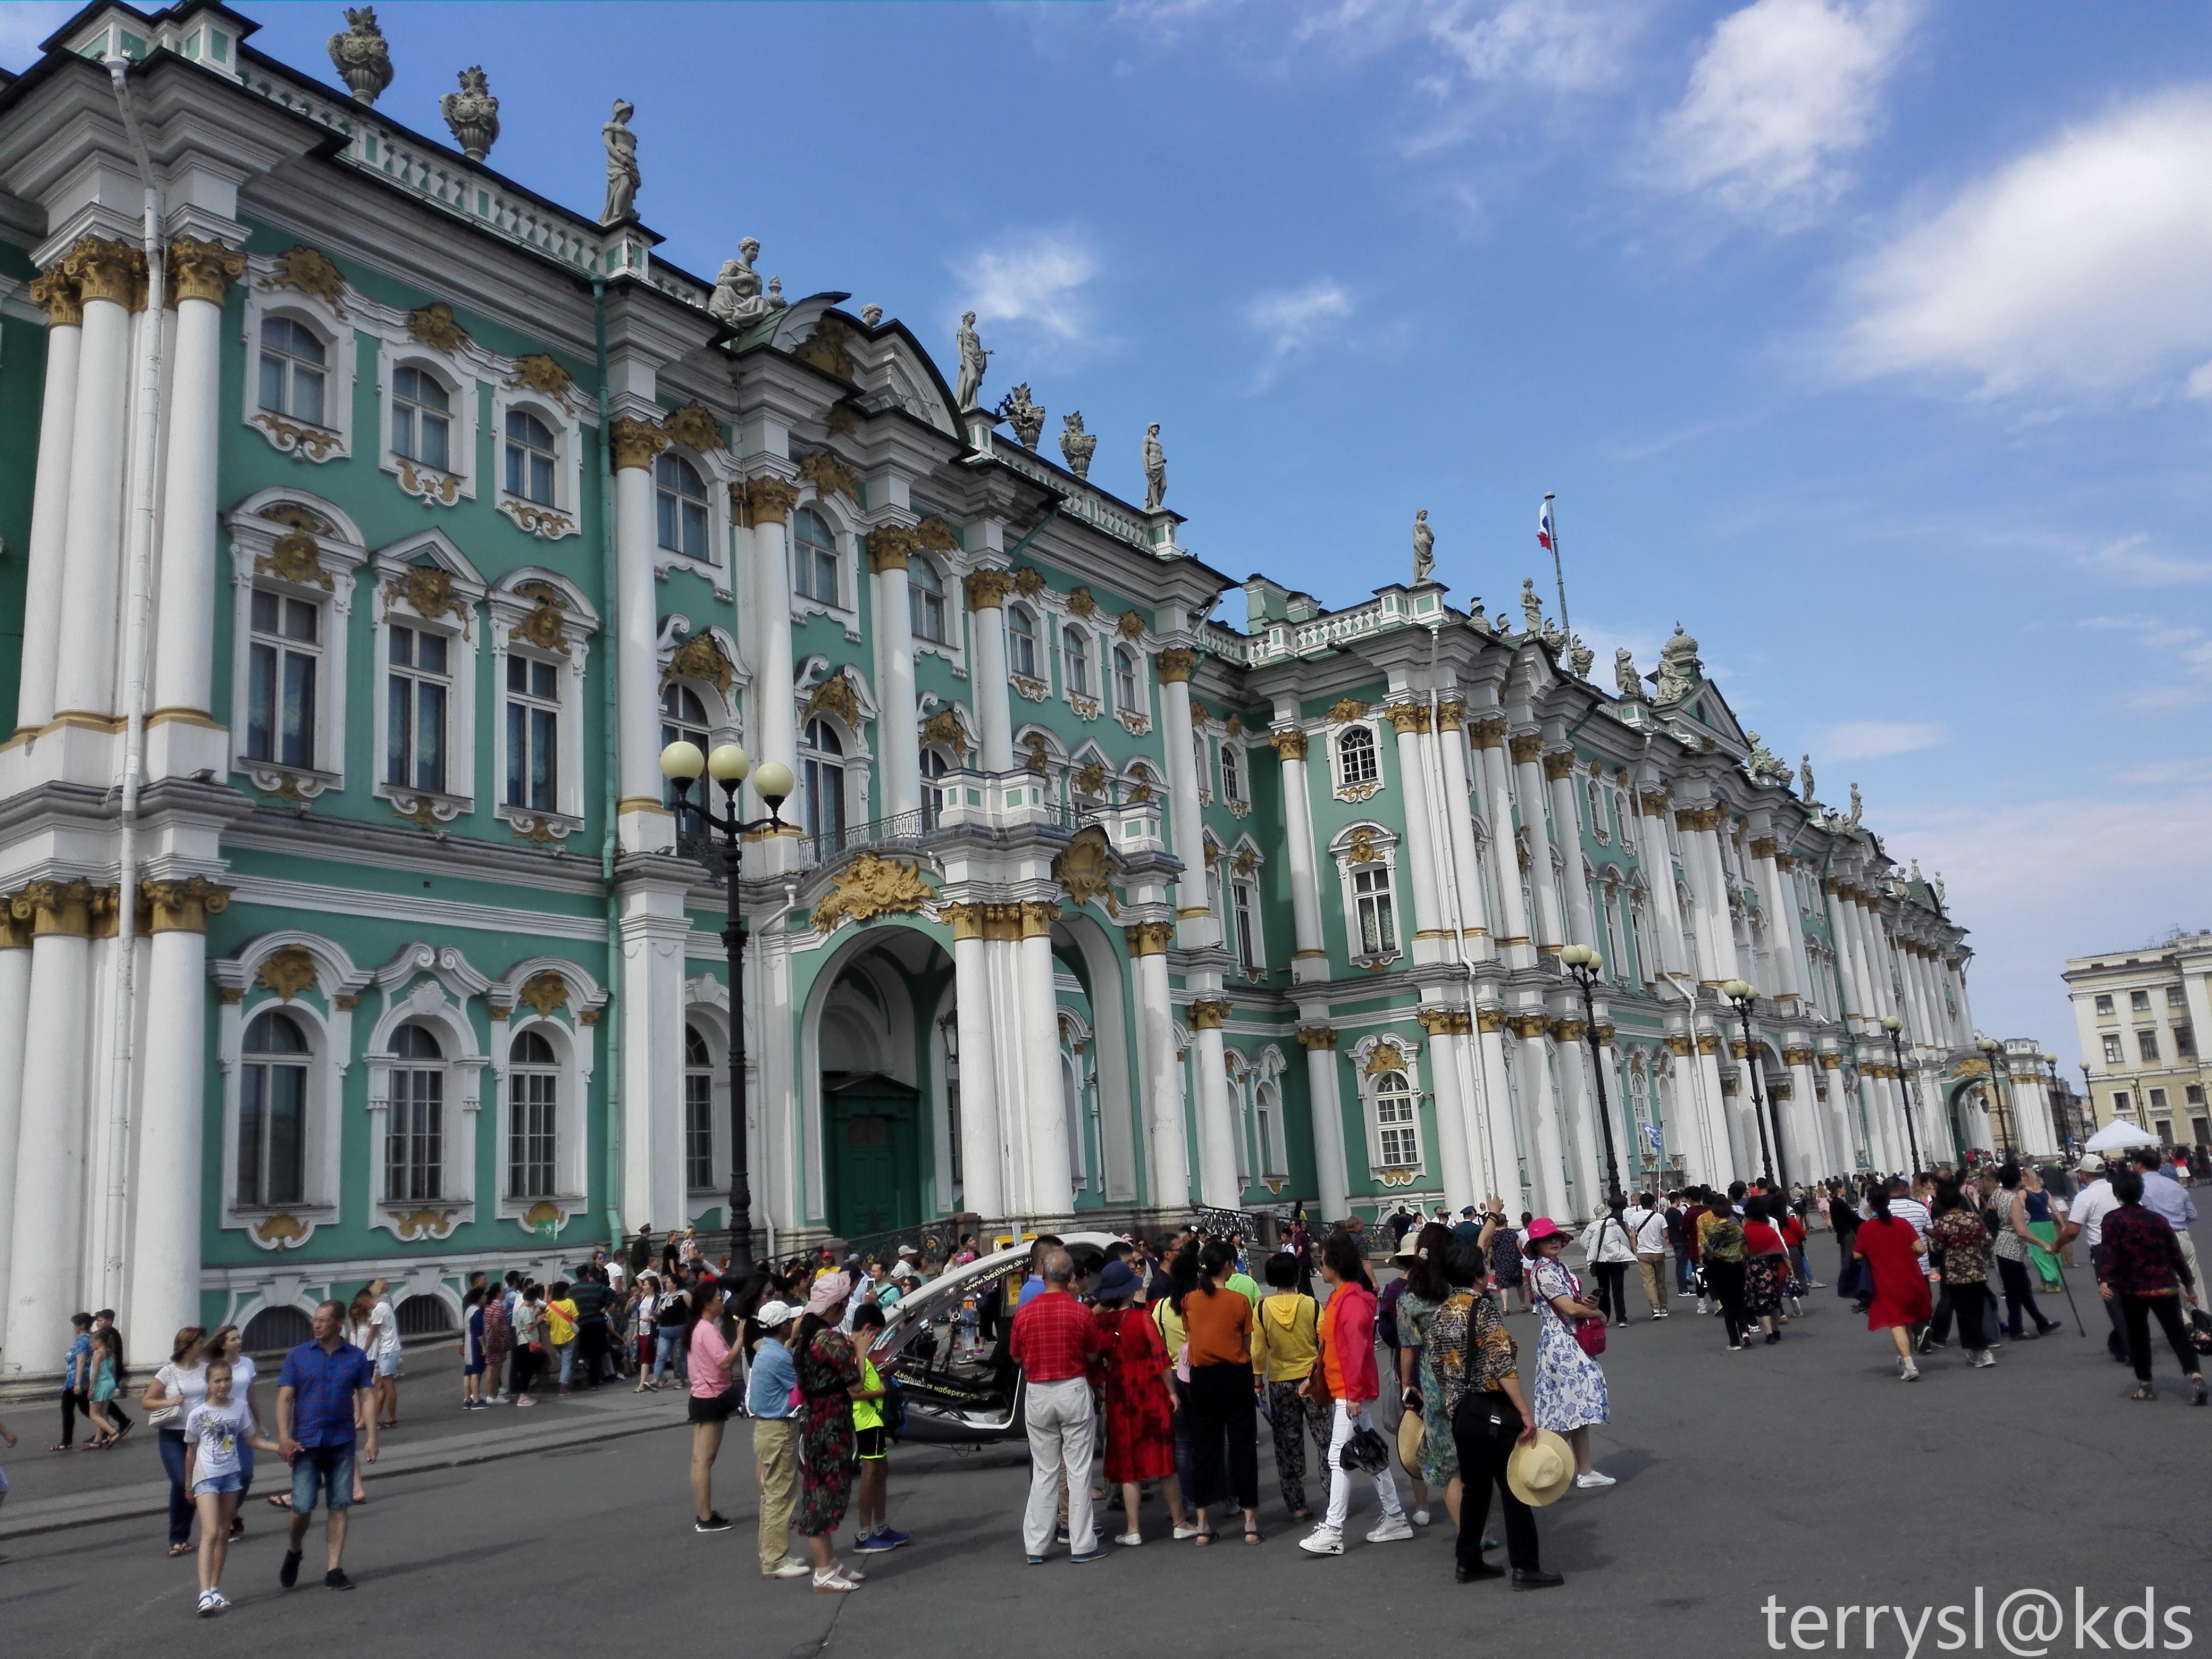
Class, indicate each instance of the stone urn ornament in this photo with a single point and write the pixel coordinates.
(472, 114)
(1023, 414)
(1077, 444)
(363, 60)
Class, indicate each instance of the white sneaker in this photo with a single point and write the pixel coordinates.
(1591, 1481)
(1323, 1540)
(209, 1605)
(1390, 1529)
(1421, 1517)
(786, 1568)
(1658, 1313)
(1910, 1374)
(1984, 1360)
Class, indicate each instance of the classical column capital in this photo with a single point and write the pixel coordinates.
(1289, 745)
(1149, 938)
(1488, 732)
(14, 931)
(1313, 1038)
(56, 290)
(1407, 717)
(1678, 1044)
(1829, 1062)
(1175, 666)
(1527, 1026)
(1450, 713)
(61, 909)
(966, 920)
(1037, 918)
(203, 271)
(986, 589)
(1206, 1014)
(1568, 1030)
(1490, 1019)
(890, 547)
(1797, 1056)
(1652, 803)
(635, 443)
(768, 499)
(102, 270)
(1525, 749)
(1002, 923)
(1707, 1042)
(1765, 847)
(183, 907)
(1559, 763)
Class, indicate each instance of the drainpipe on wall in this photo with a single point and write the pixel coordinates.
(608, 726)
(143, 448)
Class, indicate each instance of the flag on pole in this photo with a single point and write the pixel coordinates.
(1546, 538)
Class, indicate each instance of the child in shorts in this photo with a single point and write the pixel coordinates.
(871, 1439)
(213, 1430)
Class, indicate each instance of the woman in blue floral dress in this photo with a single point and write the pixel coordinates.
(1570, 1392)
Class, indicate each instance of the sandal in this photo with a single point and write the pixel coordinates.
(2146, 1392)
(1203, 1539)
(1253, 1534)
(280, 1500)
(176, 1550)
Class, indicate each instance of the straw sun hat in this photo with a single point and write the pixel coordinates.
(1540, 1471)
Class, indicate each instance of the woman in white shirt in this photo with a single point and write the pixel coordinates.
(176, 1388)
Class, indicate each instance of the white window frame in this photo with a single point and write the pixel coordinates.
(1086, 705)
(1347, 789)
(845, 536)
(709, 1074)
(462, 635)
(1244, 884)
(1231, 758)
(570, 1030)
(427, 485)
(565, 518)
(329, 323)
(1385, 845)
(509, 605)
(340, 556)
(430, 1002)
(1371, 1093)
(947, 591)
(707, 1005)
(1037, 684)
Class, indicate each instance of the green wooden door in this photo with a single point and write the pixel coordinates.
(875, 1174)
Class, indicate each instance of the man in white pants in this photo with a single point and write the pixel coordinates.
(1056, 1341)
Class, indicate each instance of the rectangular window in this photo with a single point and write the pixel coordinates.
(2146, 1044)
(2104, 1004)
(2194, 1094)
(531, 1133)
(2120, 1102)
(533, 731)
(1378, 925)
(283, 660)
(698, 1130)
(2175, 998)
(414, 1141)
(1232, 783)
(2158, 1100)
(272, 1134)
(2140, 1001)
(2184, 1041)
(416, 693)
(1397, 1127)
(2113, 1056)
(1241, 903)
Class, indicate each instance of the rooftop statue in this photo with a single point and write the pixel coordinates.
(872, 315)
(1532, 606)
(472, 114)
(1579, 656)
(1424, 543)
(738, 300)
(1024, 414)
(1678, 667)
(973, 359)
(1625, 679)
(363, 60)
(1155, 468)
(1857, 807)
(1476, 619)
(1764, 766)
(1805, 778)
(1077, 444)
(624, 179)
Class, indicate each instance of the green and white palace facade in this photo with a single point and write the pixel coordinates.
(347, 929)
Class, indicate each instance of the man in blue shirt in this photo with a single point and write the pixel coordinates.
(77, 1377)
(325, 1386)
(775, 1436)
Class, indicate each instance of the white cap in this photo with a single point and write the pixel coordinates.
(775, 1315)
(908, 1249)
(904, 1269)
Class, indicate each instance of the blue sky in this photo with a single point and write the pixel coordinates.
(1871, 339)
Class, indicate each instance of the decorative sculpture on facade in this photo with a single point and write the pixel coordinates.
(1764, 766)
(1679, 670)
(1425, 544)
(472, 114)
(974, 359)
(1857, 807)
(1077, 444)
(1532, 607)
(1805, 778)
(1580, 657)
(624, 179)
(363, 60)
(872, 315)
(1024, 414)
(737, 299)
(1155, 468)
(1625, 679)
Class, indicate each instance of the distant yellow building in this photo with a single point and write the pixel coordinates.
(2139, 1014)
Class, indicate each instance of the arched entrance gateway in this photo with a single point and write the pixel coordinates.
(884, 1057)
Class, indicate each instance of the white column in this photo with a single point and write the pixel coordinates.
(1310, 957)
(1548, 1178)
(84, 680)
(1805, 1098)
(1408, 718)
(1847, 963)
(1194, 917)
(1559, 779)
(1528, 776)
(1701, 858)
(1459, 820)
(1051, 1167)
(1787, 940)
(1503, 1153)
(1516, 930)
(1326, 1104)
(45, 1253)
(183, 673)
(15, 1007)
(1164, 1119)
(42, 587)
(642, 823)
(654, 927)
(890, 547)
(164, 1258)
(1849, 1140)
(1455, 1151)
(1886, 1136)
(773, 734)
(1578, 1106)
(1716, 1120)
(987, 647)
(981, 1140)
(1216, 1128)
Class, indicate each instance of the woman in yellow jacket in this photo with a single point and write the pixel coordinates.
(1284, 1349)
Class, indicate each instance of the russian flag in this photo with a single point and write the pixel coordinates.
(1546, 538)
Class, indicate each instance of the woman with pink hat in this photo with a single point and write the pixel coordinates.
(828, 1375)
(1570, 1391)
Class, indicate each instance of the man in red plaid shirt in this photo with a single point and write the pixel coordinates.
(1056, 1342)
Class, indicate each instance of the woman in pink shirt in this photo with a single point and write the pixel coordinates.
(713, 1397)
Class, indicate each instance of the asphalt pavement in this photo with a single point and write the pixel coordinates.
(1756, 1489)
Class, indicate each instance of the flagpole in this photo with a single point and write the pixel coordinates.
(1558, 570)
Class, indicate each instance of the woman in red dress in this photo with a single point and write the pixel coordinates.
(1892, 1251)
(1139, 1411)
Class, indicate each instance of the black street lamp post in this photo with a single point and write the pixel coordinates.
(1895, 1027)
(1585, 964)
(1740, 993)
(681, 763)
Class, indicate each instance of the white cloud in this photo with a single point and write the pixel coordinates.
(1035, 279)
(1552, 45)
(1292, 320)
(2198, 385)
(2131, 561)
(1852, 740)
(1784, 92)
(2085, 266)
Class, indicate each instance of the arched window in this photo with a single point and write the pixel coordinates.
(1071, 1101)
(530, 454)
(1021, 642)
(698, 1111)
(682, 720)
(422, 418)
(680, 498)
(1397, 1123)
(294, 370)
(1378, 918)
(1614, 942)
(1233, 780)
(272, 1113)
(533, 1084)
(1624, 814)
(415, 1138)
(814, 557)
(1244, 911)
(823, 754)
(1267, 1109)
(1075, 667)
(933, 767)
(1355, 757)
(284, 670)
(1125, 681)
(1597, 808)
(925, 601)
